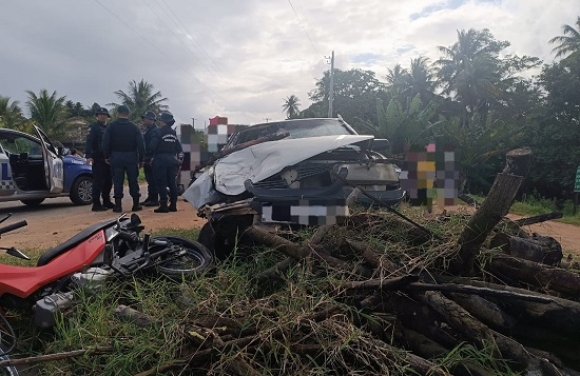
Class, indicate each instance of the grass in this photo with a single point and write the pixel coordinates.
(304, 326)
(531, 206)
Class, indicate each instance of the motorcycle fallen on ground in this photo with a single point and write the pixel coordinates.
(109, 249)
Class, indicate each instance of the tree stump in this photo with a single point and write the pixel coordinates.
(492, 210)
(518, 162)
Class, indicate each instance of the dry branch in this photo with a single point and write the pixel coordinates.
(538, 219)
(288, 248)
(59, 356)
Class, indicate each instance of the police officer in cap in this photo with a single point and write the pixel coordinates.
(151, 128)
(124, 147)
(166, 149)
(102, 178)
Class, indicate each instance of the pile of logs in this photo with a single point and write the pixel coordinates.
(403, 295)
(390, 297)
(496, 285)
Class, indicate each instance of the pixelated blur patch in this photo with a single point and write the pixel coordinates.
(432, 173)
(309, 212)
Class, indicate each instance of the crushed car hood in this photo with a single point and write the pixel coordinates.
(261, 161)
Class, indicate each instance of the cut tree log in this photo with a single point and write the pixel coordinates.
(518, 162)
(493, 209)
(476, 332)
(536, 274)
(542, 249)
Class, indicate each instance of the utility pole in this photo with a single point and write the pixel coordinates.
(331, 94)
(267, 119)
(193, 122)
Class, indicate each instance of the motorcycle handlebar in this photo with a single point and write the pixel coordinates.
(128, 236)
(13, 226)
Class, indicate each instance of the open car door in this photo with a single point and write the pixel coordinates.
(53, 166)
(7, 185)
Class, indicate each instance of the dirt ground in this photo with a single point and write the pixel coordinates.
(56, 220)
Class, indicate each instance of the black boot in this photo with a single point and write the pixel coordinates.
(136, 206)
(117, 208)
(151, 202)
(107, 204)
(162, 207)
(97, 207)
(173, 205)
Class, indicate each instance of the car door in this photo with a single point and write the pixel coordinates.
(53, 166)
(7, 186)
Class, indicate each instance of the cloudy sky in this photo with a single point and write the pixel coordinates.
(241, 58)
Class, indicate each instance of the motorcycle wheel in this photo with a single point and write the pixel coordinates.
(8, 370)
(197, 259)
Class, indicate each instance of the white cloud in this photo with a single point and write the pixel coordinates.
(239, 59)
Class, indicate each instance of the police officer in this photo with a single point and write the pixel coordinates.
(102, 178)
(124, 147)
(151, 128)
(166, 148)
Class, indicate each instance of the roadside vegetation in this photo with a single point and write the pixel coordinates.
(298, 325)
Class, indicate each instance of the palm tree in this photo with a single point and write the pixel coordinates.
(399, 81)
(421, 78)
(470, 70)
(141, 99)
(50, 112)
(290, 105)
(10, 113)
(567, 44)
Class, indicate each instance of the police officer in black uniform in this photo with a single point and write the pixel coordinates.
(151, 128)
(102, 178)
(166, 148)
(124, 147)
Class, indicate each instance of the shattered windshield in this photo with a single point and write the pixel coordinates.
(297, 129)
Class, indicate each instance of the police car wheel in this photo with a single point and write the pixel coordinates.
(82, 191)
(33, 202)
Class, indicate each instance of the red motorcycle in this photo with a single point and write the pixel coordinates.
(112, 248)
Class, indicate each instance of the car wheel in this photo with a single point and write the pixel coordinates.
(224, 236)
(82, 191)
(33, 202)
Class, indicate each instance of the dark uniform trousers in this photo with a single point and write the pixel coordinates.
(152, 192)
(121, 162)
(102, 180)
(165, 166)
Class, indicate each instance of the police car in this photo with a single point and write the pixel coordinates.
(32, 169)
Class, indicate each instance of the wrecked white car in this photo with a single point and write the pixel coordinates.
(284, 173)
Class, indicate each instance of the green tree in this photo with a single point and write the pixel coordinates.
(569, 43)
(554, 135)
(355, 95)
(141, 98)
(10, 113)
(290, 106)
(49, 112)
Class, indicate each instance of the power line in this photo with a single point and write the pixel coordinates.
(176, 36)
(191, 35)
(157, 48)
(303, 28)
